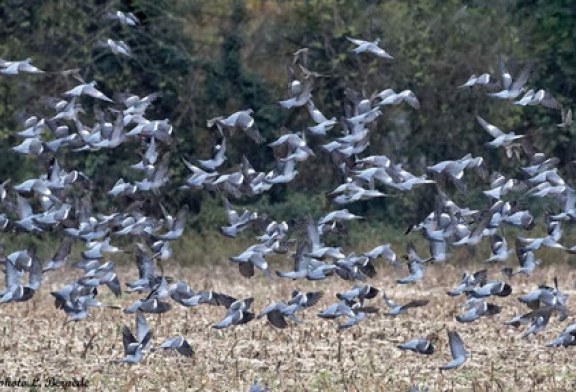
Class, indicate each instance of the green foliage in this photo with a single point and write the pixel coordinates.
(212, 58)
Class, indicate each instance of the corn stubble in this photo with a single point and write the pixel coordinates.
(309, 357)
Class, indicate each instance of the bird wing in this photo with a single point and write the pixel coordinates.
(389, 302)
(127, 339)
(411, 252)
(144, 263)
(549, 101)
(224, 300)
(24, 208)
(506, 77)
(254, 134)
(356, 41)
(481, 276)
(456, 344)
(522, 78)
(246, 269)
(312, 298)
(35, 277)
(63, 250)
(277, 319)
(180, 221)
(185, 349)
(12, 275)
(142, 328)
(416, 303)
(491, 129)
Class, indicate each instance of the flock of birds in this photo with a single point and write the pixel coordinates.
(61, 201)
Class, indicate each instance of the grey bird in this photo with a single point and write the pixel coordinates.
(117, 47)
(469, 281)
(125, 18)
(22, 259)
(477, 309)
(416, 273)
(148, 305)
(538, 323)
(354, 312)
(538, 319)
(236, 222)
(185, 296)
(156, 176)
(153, 302)
(545, 99)
(566, 119)
(134, 346)
(284, 172)
(97, 249)
(501, 139)
(396, 309)
(512, 89)
(255, 387)
(356, 315)
(414, 388)
(87, 89)
(389, 97)
(147, 277)
(527, 260)
(459, 353)
(305, 299)
(179, 344)
(299, 97)
(253, 257)
(423, 346)
(551, 240)
(481, 80)
(218, 159)
(122, 188)
(307, 267)
(278, 312)
(544, 296)
(500, 186)
(15, 67)
(369, 47)
(237, 311)
(175, 225)
(339, 309)
(359, 293)
(384, 251)
(30, 146)
(75, 300)
(493, 287)
(566, 338)
(354, 267)
(242, 119)
(14, 291)
(499, 249)
(526, 99)
(415, 266)
(322, 123)
(102, 275)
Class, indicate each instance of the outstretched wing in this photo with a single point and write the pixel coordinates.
(491, 129)
(456, 344)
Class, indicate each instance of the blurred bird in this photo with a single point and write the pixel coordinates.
(369, 47)
(459, 353)
(134, 346)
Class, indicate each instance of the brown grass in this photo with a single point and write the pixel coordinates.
(310, 357)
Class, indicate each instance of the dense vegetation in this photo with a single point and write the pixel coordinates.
(210, 58)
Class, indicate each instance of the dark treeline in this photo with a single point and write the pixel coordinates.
(212, 58)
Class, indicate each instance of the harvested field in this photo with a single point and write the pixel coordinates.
(309, 357)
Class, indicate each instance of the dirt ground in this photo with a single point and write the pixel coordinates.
(312, 356)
